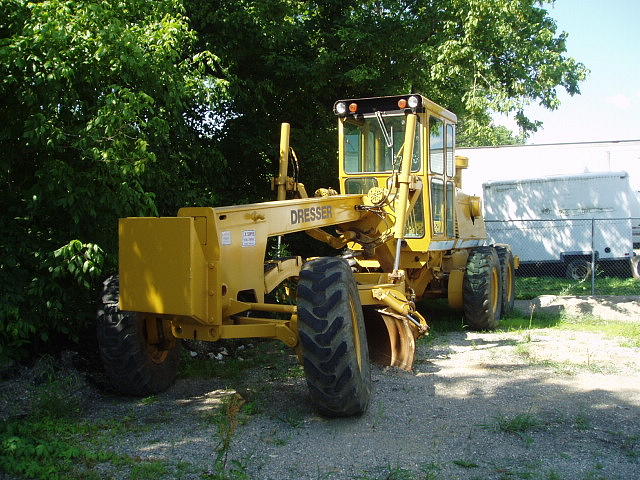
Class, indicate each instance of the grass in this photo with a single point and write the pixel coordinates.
(53, 440)
(565, 367)
(149, 470)
(628, 331)
(443, 320)
(582, 421)
(520, 423)
(531, 287)
(271, 356)
(629, 444)
(465, 464)
(426, 472)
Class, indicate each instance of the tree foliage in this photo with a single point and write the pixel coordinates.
(101, 118)
(289, 60)
(491, 135)
(130, 107)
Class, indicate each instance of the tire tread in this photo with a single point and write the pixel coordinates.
(123, 349)
(336, 384)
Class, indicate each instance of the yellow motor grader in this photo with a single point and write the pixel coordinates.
(403, 229)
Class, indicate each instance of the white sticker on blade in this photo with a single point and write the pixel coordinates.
(226, 238)
(248, 238)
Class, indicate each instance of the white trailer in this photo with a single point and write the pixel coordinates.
(565, 221)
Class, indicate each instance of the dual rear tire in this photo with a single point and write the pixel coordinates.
(488, 286)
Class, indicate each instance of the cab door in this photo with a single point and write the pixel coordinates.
(441, 172)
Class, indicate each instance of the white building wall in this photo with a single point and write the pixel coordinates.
(529, 161)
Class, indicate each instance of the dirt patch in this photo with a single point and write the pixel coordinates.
(539, 404)
(606, 307)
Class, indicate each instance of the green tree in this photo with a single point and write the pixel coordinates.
(289, 60)
(102, 106)
(489, 136)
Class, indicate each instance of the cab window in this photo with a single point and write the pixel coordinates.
(436, 145)
(451, 192)
(437, 205)
(451, 141)
(359, 185)
(368, 149)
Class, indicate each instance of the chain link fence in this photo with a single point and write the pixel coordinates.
(596, 256)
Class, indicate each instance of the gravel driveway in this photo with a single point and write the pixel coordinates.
(540, 405)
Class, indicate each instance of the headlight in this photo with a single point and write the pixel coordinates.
(341, 108)
(413, 101)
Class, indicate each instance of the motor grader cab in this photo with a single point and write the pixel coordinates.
(402, 229)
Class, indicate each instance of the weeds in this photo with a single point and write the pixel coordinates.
(582, 421)
(47, 449)
(274, 439)
(629, 444)
(430, 471)
(520, 423)
(465, 464)
(427, 471)
(228, 417)
(53, 442)
(236, 470)
(150, 400)
(149, 470)
(389, 473)
(268, 355)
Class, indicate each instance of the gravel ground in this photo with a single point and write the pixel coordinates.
(443, 420)
(545, 404)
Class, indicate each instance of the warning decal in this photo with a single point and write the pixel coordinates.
(248, 238)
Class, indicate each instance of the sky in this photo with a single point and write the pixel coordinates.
(605, 36)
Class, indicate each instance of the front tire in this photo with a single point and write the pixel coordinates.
(482, 289)
(140, 355)
(333, 338)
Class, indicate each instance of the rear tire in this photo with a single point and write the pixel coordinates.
(333, 338)
(507, 276)
(134, 365)
(482, 289)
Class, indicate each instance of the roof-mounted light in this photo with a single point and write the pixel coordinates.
(402, 104)
(413, 101)
(341, 108)
(353, 107)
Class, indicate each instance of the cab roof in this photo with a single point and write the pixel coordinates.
(389, 104)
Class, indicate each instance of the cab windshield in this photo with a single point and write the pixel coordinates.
(368, 148)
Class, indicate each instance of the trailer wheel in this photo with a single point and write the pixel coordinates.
(482, 291)
(578, 269)
(635, 266)
(507, 276)
(140, 354)
(333, 338)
